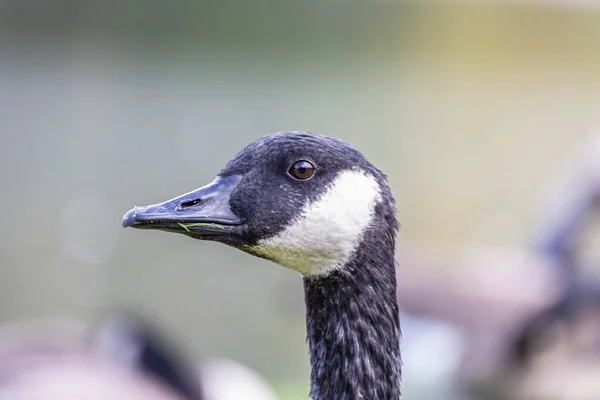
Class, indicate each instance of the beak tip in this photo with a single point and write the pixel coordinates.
(129, 218)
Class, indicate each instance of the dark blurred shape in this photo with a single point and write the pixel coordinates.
(124, 359)
(526, 318)
(149, 351)
(124, 356)
(575, 206)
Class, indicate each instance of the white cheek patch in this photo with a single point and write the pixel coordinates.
(326, 232)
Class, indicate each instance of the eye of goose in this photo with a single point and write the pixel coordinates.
(302, 170)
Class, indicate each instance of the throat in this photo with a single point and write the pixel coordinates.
(353, 329)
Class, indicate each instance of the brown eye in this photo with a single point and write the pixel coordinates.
(302, 170)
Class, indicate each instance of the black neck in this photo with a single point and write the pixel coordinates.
(352, 325)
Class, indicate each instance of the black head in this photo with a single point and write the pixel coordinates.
(302, 200)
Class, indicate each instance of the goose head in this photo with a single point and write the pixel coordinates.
(313, 204)
(301, 200)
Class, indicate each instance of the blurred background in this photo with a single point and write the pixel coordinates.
(485, 115)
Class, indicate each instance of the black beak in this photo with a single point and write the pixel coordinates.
(203, 212)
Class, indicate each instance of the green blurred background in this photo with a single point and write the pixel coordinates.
(471, 108)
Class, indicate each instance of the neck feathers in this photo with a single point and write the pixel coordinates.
(352, 323)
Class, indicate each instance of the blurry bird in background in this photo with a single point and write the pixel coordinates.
(517, 324)
(124, 357)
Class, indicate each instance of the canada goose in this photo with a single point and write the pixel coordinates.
(122, 357)
(316, 205)
(524, 315)
(130, 340)
(65, 359)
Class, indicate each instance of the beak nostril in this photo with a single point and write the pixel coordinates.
(187, 204)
